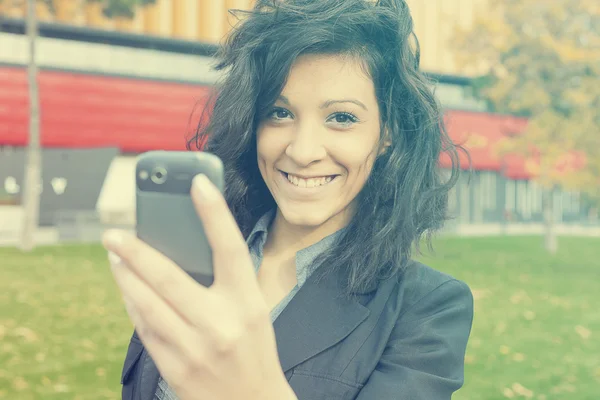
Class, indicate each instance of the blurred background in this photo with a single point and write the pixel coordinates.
(519, 81)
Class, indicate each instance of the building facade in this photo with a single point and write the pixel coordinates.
(209, 21)
(139, 87)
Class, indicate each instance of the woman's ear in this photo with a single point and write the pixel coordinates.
(387, 142)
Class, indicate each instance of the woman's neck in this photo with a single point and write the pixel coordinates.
(287, 239)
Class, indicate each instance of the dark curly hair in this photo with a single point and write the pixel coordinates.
(405, 198)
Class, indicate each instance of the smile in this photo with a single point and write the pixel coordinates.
(311, 182)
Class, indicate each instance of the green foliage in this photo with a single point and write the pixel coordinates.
(123, 8)
(541, 59)
(112, 8)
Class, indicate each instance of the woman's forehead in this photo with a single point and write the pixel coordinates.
(331, 76)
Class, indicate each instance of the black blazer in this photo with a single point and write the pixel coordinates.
(406, 340)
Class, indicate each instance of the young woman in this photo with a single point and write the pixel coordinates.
(331, 137)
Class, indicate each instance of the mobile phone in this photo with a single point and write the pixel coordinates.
(165, 213)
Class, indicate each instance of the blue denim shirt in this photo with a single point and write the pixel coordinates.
(304, 268)
(304, 258)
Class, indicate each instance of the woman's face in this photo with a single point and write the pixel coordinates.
(317, 147)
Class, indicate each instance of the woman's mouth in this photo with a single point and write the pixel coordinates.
(306, 182)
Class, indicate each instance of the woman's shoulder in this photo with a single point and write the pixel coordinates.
(420, 286)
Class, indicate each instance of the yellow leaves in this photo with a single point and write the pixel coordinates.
(500, 328)
(517, 390)
(518, 357)
(61, 388)
(522, 390)
(564, 387)
(552, 149)
(569, 52)
(545, 58)
(88, 344)
(504, 349)
(7, 348)
(475, 342)
(529, 315)
(520, 297)
(19, 383)
(533, 167)
(583, 332)
(578, 97)
(26, 334)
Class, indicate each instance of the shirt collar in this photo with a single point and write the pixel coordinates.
(260, 230)
(305, 258)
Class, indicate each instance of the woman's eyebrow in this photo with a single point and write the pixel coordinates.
(283, 99)
(329, 103)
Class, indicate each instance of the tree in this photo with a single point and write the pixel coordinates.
(32, 190)
(112, 8)
(541, 59)
(123, 8)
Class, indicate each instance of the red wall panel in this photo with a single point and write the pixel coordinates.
(80, 110)
(480, 132)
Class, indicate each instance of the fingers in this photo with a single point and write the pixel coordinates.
(160, 275)
(232, 262)
(153, 318)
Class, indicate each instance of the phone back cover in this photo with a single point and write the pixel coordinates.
(167, 219)
(170, 224)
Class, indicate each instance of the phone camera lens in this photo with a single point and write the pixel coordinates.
(159, 175)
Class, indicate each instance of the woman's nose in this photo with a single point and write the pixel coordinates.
(306, 146)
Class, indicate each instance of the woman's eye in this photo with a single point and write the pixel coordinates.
(279, 113)
(343, 118)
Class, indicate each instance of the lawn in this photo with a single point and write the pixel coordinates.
(63, 330)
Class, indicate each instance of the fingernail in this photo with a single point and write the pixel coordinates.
(112, 239)
(204, 188)
(113, 258)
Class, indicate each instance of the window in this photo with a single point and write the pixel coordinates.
(465, 204)
(523, 205)
(452, 200)
(535, 192)
(487, 190)
(576, 203)
(510, 195)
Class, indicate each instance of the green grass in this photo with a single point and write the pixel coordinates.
(64, 332)
(537, 318)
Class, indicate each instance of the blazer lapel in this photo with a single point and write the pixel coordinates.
(318, 317)
(149, 377)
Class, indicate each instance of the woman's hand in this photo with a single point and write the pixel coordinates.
(208, 343)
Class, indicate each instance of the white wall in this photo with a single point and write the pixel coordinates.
(101, 58)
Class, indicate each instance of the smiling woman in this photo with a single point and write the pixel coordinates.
(330, 138)
(318, 145)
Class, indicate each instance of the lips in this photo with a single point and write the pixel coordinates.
(308, 182)
(308, 177)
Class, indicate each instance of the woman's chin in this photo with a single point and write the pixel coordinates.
(304, 218)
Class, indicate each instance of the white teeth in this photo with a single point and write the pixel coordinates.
(308, 183)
